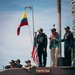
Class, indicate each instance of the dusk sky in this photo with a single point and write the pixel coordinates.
(45, 15)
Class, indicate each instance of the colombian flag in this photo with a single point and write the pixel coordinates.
(24, 22)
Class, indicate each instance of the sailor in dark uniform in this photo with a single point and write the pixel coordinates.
(18, 65)
(42, 47)
(12, 65)
(68, 45)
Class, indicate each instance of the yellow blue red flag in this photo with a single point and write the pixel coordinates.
(23, 22)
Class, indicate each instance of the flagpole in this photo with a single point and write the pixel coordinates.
(33, 20)
(31, 7)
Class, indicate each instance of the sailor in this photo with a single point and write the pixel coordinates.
(42, 47)
(18, 65)
(68, 45)
(12, 65)
(28, 65)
